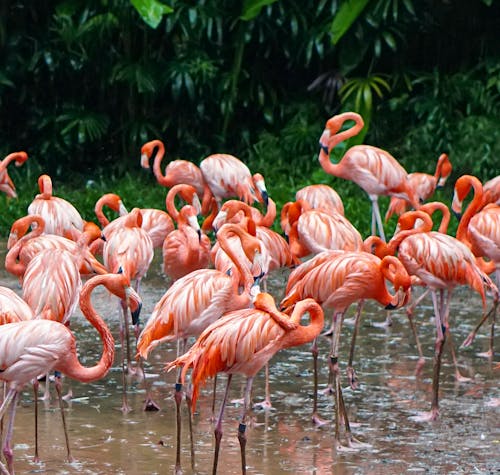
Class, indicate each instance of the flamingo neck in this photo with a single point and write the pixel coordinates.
(304, 334)
(74, 369)
(473, 207)
(160, 177)
(333, 141)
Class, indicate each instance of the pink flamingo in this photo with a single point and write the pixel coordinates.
(424, 185)
(33, 347)
(185, 249)
(337, 279)
(194, 301)
(176, 172)
(6, 184)
(453, 264)
(60, 216)
(129, 249)
(228, 177)
(311, 231)
(321, 197)
(479, 229)
(24, 246)
(243, 341)
(373, 169)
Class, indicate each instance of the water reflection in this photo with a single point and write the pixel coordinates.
(465, 440)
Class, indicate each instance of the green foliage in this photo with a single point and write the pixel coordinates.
(151, 11)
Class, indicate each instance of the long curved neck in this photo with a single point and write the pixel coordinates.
(267, 219)
(45, 186)
(187, 193)
(307, 333)
(328, 142)
(393, 270)
(19, 157)
(11, 259)
(243, 270)
(473, 207)
(160, 178)
(75, 369)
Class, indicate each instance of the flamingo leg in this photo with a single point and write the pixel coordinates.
(61, 406)
(10, 400)
(242, 426)
(411, 321)
(125, 406)
(315, 417)
(376, 217)
(178, 401)
(189, 403)
(333, 363)
(438, 352)
(218, 425)
(149, 403)
(46, 392)
(36, 458)
(266, 403)
(351, 374)
(214, 395)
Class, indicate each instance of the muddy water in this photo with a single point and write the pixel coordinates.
(466, 439)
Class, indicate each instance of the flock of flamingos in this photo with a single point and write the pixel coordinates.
(215, 298)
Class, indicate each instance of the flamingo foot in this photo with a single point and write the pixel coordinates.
(486, 354)
(354, 443)
(318, 421)
(339, 447)
(150, 405)
(68, 396)
(431, 415)
(467, 342)
(460, 378)
(328, 391)
(266, 405)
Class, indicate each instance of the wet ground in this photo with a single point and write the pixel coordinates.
(466, 438)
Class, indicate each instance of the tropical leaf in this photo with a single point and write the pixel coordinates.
(347, 14)
(251, 8)
(151, 11)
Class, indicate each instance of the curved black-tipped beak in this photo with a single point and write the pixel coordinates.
(457, 215)
(199, 234)
(324, 148)
(258, 278)
(439, 187)
(103, 237)
(265, 197)
(390, 307)
(135, 315)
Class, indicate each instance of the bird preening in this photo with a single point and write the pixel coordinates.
(240, 286)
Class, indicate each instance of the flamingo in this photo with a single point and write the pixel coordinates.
(156, 222)
(24, 246)
(60, 216)
(452, 264)
(243, 341)
(424, 185)
(228, 177)
(491, 191)
(6, 184)
(336, 279)
(185, 249)
(311, 231)
(12, 307)
(276, 251)
(194, 301)
(33, 347)
(322, 197)
(129, 249)
(373, 169)
(176, 172)
(479, 229)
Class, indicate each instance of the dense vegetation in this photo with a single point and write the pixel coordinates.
(83, 84)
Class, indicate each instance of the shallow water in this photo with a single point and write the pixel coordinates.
(466, 438)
